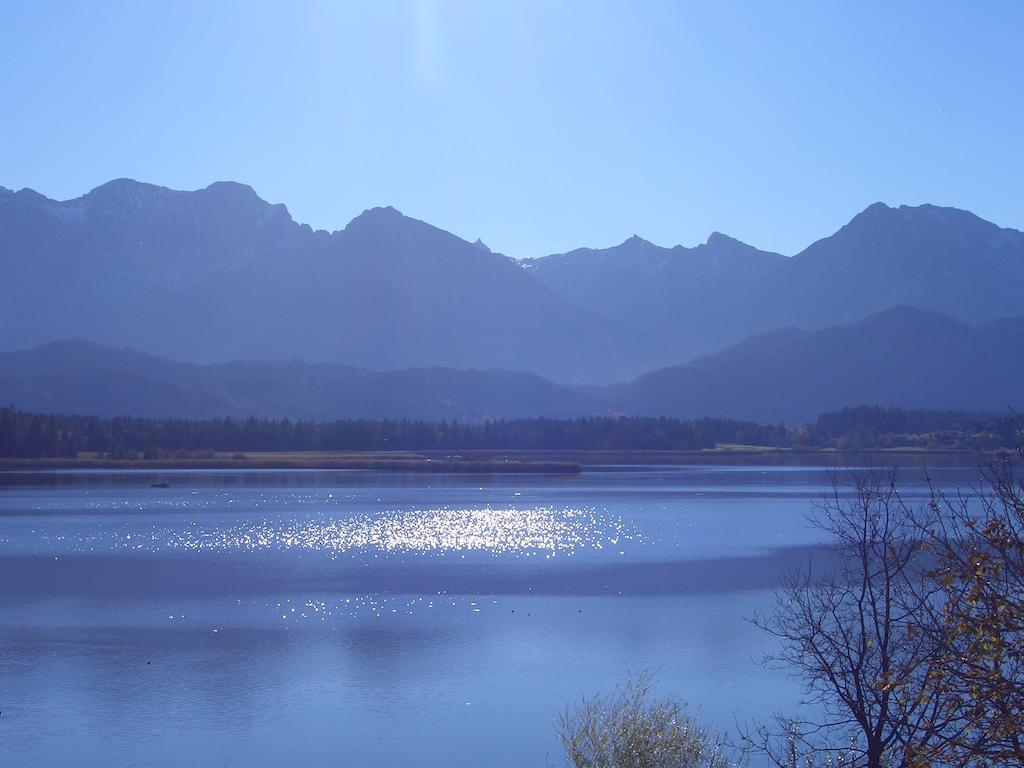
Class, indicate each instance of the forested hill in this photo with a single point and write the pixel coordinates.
(28, 435)
(905, 357)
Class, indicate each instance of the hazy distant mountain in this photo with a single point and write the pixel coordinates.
(220, 274)
(943, 259)
(80, 377)
(901, 357)
(674, 295)
(697, 300)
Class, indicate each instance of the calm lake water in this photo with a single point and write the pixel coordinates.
(325, 618)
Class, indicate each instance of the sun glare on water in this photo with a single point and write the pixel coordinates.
(498, 530)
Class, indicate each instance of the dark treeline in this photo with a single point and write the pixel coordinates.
(876, 427)
(31, 435)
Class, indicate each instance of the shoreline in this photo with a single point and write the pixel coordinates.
(386, 463)
(568, 462)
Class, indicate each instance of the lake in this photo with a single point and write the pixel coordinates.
(329, 618)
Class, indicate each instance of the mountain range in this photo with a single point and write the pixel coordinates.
(904, 357)
(693, 301)
(908, 306)
(219, 274)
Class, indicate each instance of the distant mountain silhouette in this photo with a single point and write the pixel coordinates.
(943, 259)
(86, 378)
(220, 274)
(904, 357)
(676, 296)
(901, 357)
(697, 300)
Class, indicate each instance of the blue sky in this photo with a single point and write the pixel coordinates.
(538, 126)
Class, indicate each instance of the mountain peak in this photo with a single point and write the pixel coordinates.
(635, 241)
(124, 186)
(377, 216)
(925, 211)
(872, 216)
(717, 239)
(125, 196)
(232, 189)
(137, 193)
(942, 214)
(923, 220)
(382, 211)
(724, 245)
(877, 209)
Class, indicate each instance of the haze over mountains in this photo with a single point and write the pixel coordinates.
(902, 357)
(81, 377)
(218, 275)
(693, 301)
(681, 298)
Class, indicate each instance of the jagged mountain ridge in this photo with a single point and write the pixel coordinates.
(942, 259)
(220, 274)
(671, 294)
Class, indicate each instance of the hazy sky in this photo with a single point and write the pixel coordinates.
(539, 127)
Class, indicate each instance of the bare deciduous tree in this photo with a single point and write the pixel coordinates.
(850, 629)
(909, 638)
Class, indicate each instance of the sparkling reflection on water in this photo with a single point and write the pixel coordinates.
(330, 619)
(509, 530)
